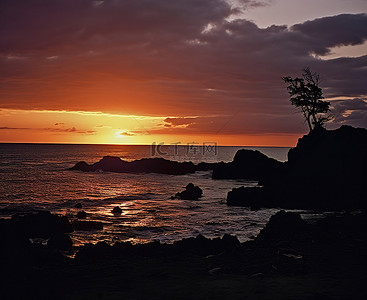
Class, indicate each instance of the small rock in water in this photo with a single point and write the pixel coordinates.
(117, 210)
(78, 205)
(192, 192)
(81, 215)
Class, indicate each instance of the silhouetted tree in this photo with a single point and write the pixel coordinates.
(306, 94)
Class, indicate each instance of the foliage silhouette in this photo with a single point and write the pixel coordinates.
(306, 94)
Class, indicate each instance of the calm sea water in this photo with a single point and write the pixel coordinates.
(35, 177)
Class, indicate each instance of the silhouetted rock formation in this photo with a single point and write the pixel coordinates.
(117, 211)
(192, 192)
(41, 224)
(18, 234)
(245, 196)
(326, 171)
(145, 165)
(282, 226)
(247, 164)
(81, 215)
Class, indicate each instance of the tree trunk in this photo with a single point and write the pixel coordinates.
(314, 120)
(309, 122)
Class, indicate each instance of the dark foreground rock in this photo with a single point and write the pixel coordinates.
(41, 224)
(290, 259)
(145, 165)
(325, 171)
(191, 192)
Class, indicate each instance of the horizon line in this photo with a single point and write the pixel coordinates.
(107, 144)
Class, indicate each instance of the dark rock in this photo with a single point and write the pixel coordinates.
(117, 211)
(192, 192)
(282, 226)
(145, 165)
(41, 224)
(340, 152)
(246, 196)
(81, 215)
(60, 242)
(230, 240)
(78, 205)
(82, 166)
(87, 225)
(325, 171)
(247, 164)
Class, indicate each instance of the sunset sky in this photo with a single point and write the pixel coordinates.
(143, 71)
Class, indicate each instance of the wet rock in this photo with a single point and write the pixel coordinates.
(283, 226)
(117, 211)
(41, 224)
(81, 215)
(192, 192)
(78, 205)
(245, 196)
(230, 240)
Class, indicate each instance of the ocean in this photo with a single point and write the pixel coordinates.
(35, 177)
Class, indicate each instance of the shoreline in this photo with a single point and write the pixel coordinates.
(290, 258)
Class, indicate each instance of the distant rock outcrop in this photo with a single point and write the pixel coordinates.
(248, 164)
(145, 165)
(326, 171)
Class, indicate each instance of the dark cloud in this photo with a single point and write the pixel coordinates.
(12, 128)
(351, 112)
(327, 32)
(170, 58)
(180, 121)
(237, 124)
(69, 130)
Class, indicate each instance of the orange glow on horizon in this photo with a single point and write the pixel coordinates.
(79, 127)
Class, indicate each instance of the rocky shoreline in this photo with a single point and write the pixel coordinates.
(290, 258)
(325, 171)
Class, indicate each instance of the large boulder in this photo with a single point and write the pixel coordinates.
(248, 164)
(325, 171)
(339, 153)
(283, 226)
(251, 197)
(41, 224)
